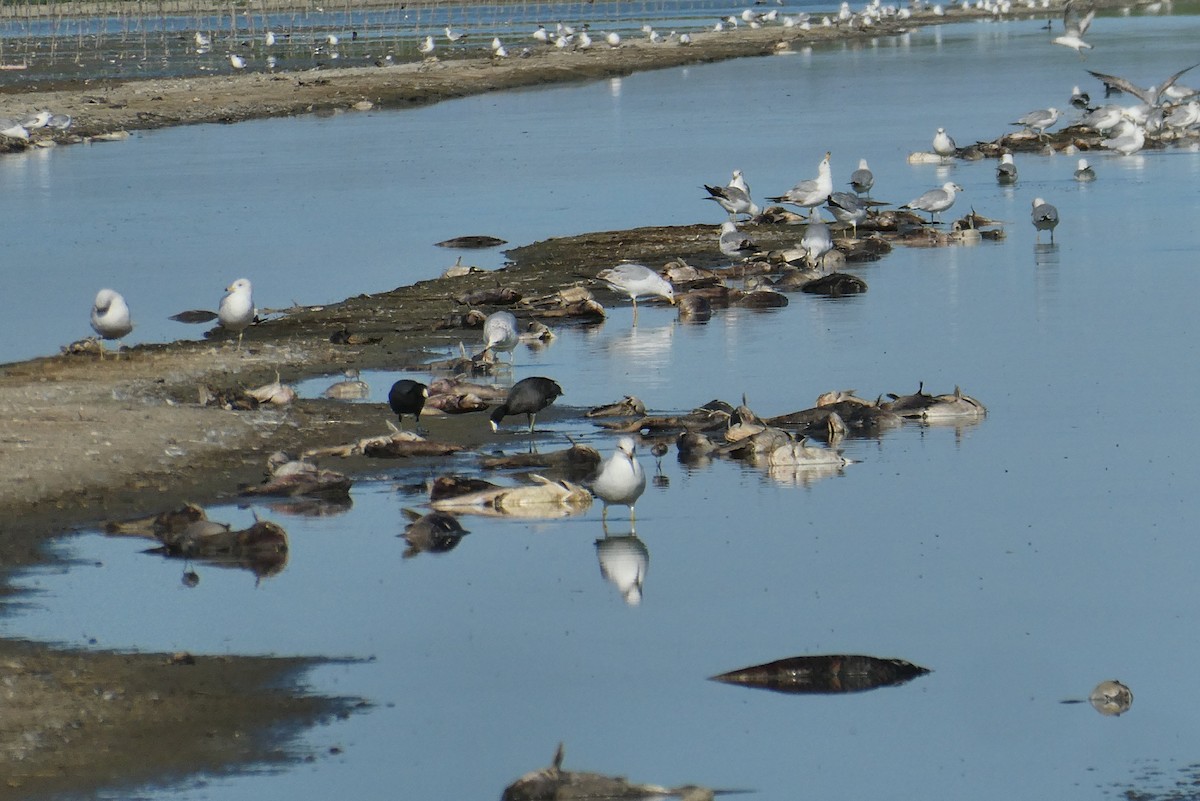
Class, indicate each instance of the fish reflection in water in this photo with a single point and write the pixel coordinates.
(623, 562)
(841, 673)
(553, 783)
(435, 532)
(1110, 698)
(543, 498)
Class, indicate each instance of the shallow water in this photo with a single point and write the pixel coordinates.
(1023, 559)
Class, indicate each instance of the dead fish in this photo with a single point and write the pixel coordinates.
(435, 532)
(352, 388)
(344, 336)
(454, 486)
(800, 453)
(194, 316)
(158, 525)
(536, 333)
(835, 285)
(832, 674)
(262, 548)
(543, 498)
(575, 459)
(454, 404)
(626, 407)
(227, 399)
(694, 307)
(496, 296)
(924, 406)
(554, 783)
(763, 298)
(491, 393)
(298, 477)
(472, 242)
(1111, 698)
(275, 393)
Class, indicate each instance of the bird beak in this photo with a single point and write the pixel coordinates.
(495, 428)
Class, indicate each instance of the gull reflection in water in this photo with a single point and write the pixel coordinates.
(623, 562)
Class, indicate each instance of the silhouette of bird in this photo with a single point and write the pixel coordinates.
(528, 397)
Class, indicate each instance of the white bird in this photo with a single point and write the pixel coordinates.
(943, 145)
(237, 308)
(427, 46)
(737, 180)
(13, 129)
(848, 208)
(454, 36)
(1103, 118)
(269, 38)
(935, 201)
(203, 42)
(810, 193)
(1039, 120)
(583, 41)
(637, 281)
(1083, 172)
(237, 62)
(816, 242)
(1006, 170)
(733, 199)
(1150, 95)
(621, 480)
(38, 120)
(613, 38)
(500, 332)
(541, 34)
(1074, 28)
(733, 243)
(862, 179)
(1045, 218)
(110, 316)
(1128, 139)
(623, 561)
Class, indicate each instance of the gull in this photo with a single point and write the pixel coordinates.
(59, 122)
(1080, 100)
(110, 316)
(202, 40)
(1006, 170)
(738, 181)
(733, 243)
(237, 308)
(812, 192)
(13, 129)
(1103, 117)
(408, 397)
(500, 333)
(1074, 28)
(1148, 95)
(862, 179)
(1083, 172)
(583, 41)
(613, 39)
(427, 46)
(1045, 218)
(733, 199)
(816, 242)
(848, 208)
(528, 397)
(454, 36)
(935, 200)
(621, 480)
(636, 281)
(1184, 116)
(237, 62)
(943, 145)
(1039, 120)
(269, 38)
(541, 34)
(1128, 139)
(38, 120)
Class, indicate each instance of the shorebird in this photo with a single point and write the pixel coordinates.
(621, 480)
(1045, 218)
(237, 62)
(110, 316)
(1074, 28)
(236, 312)
(935, 201)
(528, 397)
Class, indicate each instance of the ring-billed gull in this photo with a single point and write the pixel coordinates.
(427, 46)
(1006, 170)
(500, 332)
(1045, 218)
(1079, 99)
(1103, 117)
(733, 199)
(810, 193)
(943, 145)
(816, 242)
(621, 480)
(237, 308)
(408, 397)
(935, 201)
(528, 397)
(1127, 139)
(637, 281)
(1039, 120)
(1074, 28)
(862, 179)
(848, 208)
(110, 316)
(237, 62)
(733, 243)
(1083, 172)
(1149, 95)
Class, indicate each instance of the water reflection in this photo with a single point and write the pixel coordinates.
(624, 559)
(825, 675)
(434, 532)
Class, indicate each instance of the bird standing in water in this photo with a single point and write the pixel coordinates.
(528, 397)
(621, 480)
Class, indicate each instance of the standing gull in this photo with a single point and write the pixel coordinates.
(528, 397)
(943, 145)
(500, 333)
(236, 312)
(637, 281)
(1074, 28)
(1038, 121)
(1128, 138)
(1006, 170)
(816, 242)
(733, 199)
(848, 208)
(862, 179)
(110, 316)
(733, 243)
(810, 193)
(621, 480)
(935, 201)
(1083, 172)
(1045, 218)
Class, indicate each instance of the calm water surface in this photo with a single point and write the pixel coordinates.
(1023, 559)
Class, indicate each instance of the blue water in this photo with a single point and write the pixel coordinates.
(1022, 559)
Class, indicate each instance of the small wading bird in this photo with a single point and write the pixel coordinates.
(236, 311)
(528, 397)
(621, 480)
(1045, 218)
(408, 397)
(110, 317)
